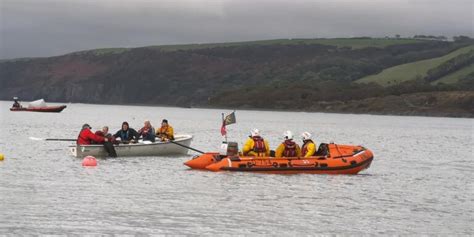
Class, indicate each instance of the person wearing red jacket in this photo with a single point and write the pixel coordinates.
(104, 132)
(86, 137)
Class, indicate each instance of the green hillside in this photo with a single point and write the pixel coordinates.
(353, 43)
(455, 76)
(287, 74)
(411, 71)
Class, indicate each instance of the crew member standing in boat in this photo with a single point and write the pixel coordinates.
(147, 132)
(256, 145)
(16, 104)
(127, 134)
(308, 148)
(165, 132)
(288, 148)
(86, 137)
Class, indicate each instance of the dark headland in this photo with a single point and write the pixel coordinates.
(410, 76)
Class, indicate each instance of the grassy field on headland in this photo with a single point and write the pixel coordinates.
(414, 70)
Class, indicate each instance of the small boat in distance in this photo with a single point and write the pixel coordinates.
(49, 109)
(36, 106)
(146, 148)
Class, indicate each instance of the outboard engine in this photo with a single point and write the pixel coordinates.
(229, 149)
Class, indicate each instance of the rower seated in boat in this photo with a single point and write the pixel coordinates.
(147, 132)
(104, 132)
(288, 148)
(86, 137)
(127, 134)
(165, 132)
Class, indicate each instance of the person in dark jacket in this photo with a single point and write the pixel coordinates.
(16, 104)
(86, 137)
(127, 134)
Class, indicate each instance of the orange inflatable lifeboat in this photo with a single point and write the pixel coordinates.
(329, 159)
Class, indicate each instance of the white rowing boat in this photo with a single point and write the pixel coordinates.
(146, 148)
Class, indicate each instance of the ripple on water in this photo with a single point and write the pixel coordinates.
(419, 183)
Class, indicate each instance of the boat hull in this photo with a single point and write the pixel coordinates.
(138, 149)
(341, 159)
(49, 109)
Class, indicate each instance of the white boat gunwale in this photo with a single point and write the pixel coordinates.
(177, 139)
(158, 148)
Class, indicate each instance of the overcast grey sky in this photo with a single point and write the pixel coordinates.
(31, 28)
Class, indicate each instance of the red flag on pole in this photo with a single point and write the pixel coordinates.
(229, 119)
(223, 130)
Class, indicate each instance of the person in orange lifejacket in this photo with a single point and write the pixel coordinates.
(288, 148)
(256, 145)
(308, 148)
(166, 131)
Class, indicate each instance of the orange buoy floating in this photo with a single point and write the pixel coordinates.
(2, 156)
(89, 161)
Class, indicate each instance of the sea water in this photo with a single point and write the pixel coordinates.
(420, 182)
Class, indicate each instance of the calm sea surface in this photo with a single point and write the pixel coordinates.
(421, 180)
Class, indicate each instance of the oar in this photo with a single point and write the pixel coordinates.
(53, 139)
(196, 150)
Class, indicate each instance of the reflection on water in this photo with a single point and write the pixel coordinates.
(419, 182)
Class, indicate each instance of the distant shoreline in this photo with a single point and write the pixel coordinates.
(335, 110)
(406, 77)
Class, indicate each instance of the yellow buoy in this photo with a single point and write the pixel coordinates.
(2, 156)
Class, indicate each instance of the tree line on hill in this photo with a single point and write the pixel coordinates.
(450, 66)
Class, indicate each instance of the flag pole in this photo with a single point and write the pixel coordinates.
(223, 124)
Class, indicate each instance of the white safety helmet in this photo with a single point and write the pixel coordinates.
(306, 135)
(288, 135)
(255, 132)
